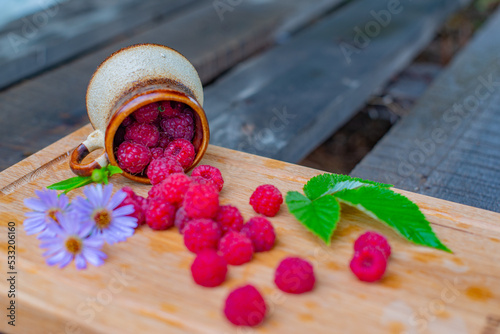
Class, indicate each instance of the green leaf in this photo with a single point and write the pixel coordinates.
(327, 184)
(319, 216)
(100, 175)
(71, 183)
(395, 210)
(114, 170)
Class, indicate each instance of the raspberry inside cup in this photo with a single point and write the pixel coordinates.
(164, 129)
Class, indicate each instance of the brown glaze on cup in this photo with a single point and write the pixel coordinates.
(75, 162)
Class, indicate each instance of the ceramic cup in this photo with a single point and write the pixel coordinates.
(130, 79)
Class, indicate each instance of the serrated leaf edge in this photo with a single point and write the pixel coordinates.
(372, 215)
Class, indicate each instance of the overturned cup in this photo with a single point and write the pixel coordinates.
(129, 79)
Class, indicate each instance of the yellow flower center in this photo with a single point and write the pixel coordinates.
(74, 245)
(52, 214)
(102, 219)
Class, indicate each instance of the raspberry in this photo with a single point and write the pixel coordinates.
(137, 202)
(154, 192)
(173, 188)
(209, 269)
(211, 174)
(156, 152)
(164, 140)
(169, 109)
(181, 219)
(369, 264)
(182, 150)
(127, 121)
(245, 306)
(178, 105)
(198, 180)
(147, 114)
(229, 218)
(180, 127)
(261, 232)
(266, 200)
(201, 201)
(145, 134)
(144, 203)
(236, 248)
(294, 275)
(201, 234)
(188, 111)
(373, 239)
(160, 214)
(133, 157)
(160, 168)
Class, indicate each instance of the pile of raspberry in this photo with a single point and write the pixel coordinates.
(218, 235)
(156, 139)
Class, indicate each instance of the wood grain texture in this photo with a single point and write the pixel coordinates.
(448, 146)
(286, 101)
(55, 100)
(59, 31)
(145, 285)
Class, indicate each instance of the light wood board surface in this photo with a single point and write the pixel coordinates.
(145, 286)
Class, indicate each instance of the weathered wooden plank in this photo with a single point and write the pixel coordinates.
(54, 102)
(424, 290)
(449, 145)
(288, 100)
(61, 30)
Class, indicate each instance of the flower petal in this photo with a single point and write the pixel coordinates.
(52, 251)
(124, 210)
(52, 242)
(56, 258)
(35, 204)
(117, 199)
(85, 229)
(63, 202)
(94, 241)
(65, 260)
(34, 225)
(80, 262)
(93, 195)
(106, 195)
(94, 257)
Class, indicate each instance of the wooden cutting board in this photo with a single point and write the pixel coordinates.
(145, 286)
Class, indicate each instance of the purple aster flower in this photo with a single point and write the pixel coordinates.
(72, 240)
(45, 208)
(103, 211)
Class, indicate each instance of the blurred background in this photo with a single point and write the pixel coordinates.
(14, 10)
(50, 48)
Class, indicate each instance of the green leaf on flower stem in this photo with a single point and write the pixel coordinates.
(327, 184)
(98, 175)
(71, 183)
(319, 216)
(396, 211)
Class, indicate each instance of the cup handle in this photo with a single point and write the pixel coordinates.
(94, 142)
